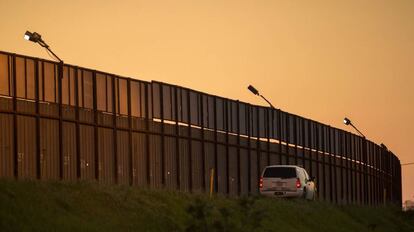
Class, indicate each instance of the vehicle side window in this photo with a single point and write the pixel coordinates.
(306, 174)
(301, 175)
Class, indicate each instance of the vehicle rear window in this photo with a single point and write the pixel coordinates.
(280, 172)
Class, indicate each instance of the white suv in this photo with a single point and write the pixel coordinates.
(287, 181)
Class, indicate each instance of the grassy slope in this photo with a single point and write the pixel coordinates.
(59, 206)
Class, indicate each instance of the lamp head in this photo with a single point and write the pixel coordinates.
(347, 121)
(27, 35)
(253, 90)
(34, 37)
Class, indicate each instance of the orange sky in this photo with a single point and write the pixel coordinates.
(319, 59)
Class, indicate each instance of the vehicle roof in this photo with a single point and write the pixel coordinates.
(285, 166)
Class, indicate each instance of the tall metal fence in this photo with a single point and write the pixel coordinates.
(125, 131)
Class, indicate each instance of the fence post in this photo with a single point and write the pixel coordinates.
(177, 139)
(15, 139)
(37, 112)
(211, 181)
(60, 77)
(130, 158)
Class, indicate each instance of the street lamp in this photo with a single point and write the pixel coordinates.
(348, 122)
(34, 37)
(256, 92)
(37, 38)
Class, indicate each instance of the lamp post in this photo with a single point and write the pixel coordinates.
(37, 38)
(256, 92)
(348, 122)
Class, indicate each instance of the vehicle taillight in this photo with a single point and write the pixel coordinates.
(298, 185)
(261, 182)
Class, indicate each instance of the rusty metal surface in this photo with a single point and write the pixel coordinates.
(122, 153)
(26, 148)
(69, 151)
(106, 156)
(170, 144)
(49, 149)
(87, 151)
(6, 145)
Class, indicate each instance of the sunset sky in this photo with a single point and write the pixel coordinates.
(319, 59)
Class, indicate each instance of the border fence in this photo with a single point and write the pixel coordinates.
(94, 125)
